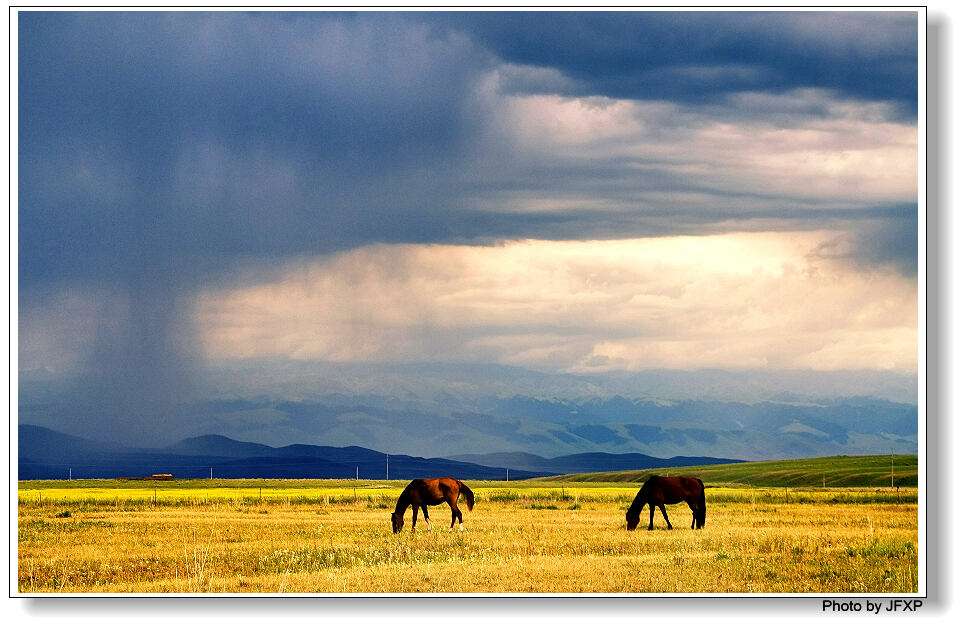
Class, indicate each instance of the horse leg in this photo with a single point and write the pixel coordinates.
(696, 510)
(414, 515)
(424, 510)
(455, 514)
(665, 516)
(651, 515)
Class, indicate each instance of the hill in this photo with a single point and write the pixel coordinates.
(586, 462)
(46, 454)
(833, 471)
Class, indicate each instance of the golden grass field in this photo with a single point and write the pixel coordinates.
(273, 536)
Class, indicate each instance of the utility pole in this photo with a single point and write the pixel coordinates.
(212, 473)
(892, 469)
(71, 476)
(355, 472)
(506, 474)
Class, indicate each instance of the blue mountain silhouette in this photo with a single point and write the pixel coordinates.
(46, 454)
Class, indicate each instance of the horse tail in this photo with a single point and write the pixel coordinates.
(469, 495)
(701, 519)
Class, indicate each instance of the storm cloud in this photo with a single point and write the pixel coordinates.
(172, 163)
(217, 135)
(701, 57)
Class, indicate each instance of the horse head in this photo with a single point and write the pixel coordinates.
(397, 522)
(631, 521)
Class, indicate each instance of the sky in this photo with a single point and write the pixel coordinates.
(572, 192)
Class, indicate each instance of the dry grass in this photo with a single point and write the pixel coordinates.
(517, 540)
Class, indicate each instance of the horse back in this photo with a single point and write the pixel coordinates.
(673, 489)
(693, 485)
(433, 491)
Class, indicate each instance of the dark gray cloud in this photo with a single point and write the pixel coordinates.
(196, 138)
(225, 134)
(881, 238)
(703, 56)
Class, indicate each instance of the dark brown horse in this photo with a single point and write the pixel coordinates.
(424, 492)
(658, 490)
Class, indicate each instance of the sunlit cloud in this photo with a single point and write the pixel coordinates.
(737, 301)
(850, 151)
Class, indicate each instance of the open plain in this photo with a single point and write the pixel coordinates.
(325, 536)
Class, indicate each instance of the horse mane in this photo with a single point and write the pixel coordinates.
(641, 498)
(403, 499)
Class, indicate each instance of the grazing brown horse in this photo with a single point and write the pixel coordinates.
(658, 490)
(424, 492)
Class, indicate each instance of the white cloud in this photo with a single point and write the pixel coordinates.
(727, 301)
(802, 145)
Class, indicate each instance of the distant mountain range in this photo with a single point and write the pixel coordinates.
(592, 462)
(457, 410)
(46, 454)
